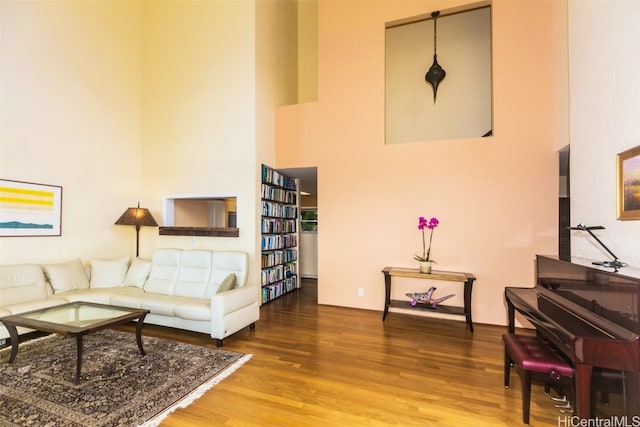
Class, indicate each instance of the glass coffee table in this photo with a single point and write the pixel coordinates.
(75, 319)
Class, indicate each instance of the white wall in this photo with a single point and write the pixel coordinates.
(308, 251)
(604, 63)
(70, 115)
(120, 102)
(198, 104)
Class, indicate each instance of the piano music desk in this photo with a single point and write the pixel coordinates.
(451, 276)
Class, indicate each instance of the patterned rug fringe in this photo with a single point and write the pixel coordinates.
(197, 393)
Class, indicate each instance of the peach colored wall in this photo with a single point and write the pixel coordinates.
(496, 197)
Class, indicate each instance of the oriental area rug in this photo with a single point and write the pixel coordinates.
(118, 386)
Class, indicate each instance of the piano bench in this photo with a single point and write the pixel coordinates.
(534, 358)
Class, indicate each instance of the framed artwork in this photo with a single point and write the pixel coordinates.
(629, 184)
(30, 209)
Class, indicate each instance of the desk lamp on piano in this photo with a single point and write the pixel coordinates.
(616, 264)
(592, 316)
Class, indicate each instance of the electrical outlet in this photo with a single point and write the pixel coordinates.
(360, 292)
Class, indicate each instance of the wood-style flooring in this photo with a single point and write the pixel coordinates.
(317, 365)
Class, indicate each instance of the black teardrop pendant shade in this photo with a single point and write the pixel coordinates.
(435, 75)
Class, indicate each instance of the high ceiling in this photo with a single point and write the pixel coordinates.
(308, 178)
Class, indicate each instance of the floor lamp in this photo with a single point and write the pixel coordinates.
(138, 217)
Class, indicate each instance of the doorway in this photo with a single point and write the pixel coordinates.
(564, 206)
(308, 219)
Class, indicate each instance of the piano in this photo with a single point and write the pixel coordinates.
(592, 316)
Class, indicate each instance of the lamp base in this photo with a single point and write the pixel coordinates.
(616, 264)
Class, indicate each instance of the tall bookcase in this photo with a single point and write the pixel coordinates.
(279, 227)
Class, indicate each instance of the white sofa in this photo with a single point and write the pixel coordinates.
(183, 289)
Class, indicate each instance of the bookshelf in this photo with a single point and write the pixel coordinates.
(279, 228)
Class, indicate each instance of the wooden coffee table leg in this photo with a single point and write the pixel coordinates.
(139, 325)
(13, 334)
(79, 360)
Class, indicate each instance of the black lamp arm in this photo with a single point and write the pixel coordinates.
(616, 264)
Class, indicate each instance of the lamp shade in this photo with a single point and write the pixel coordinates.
(140, 217)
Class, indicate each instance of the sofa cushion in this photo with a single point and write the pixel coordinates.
(66, 276)
(195, 269)
(100, 295)
(162, 304)
(138, 272)
(131, 300)
(227, 284)
(22, 282)
(164, 271)
(108, 273)
(194, 310)
(34, 305)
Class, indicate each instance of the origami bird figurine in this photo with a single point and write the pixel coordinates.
(425, 298)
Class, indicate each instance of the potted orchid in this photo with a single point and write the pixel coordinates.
(425, 260)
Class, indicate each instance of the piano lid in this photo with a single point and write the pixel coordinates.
(614, 296)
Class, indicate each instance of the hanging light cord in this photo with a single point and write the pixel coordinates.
(435, 15)
(435, 35)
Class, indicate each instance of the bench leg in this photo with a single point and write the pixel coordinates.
(507, 368)
(526, 396)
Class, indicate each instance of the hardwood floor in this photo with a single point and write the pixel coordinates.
(332, 366)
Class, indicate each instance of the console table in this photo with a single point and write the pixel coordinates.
(451, 276)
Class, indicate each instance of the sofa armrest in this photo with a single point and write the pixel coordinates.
(233, 310)
(234, 299)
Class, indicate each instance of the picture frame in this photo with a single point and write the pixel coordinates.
(628, 185)
(30, 209)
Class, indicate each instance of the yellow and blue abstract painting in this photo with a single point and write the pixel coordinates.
(30, 209)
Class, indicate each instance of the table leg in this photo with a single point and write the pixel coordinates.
(139, 325)
(13, 335)
(79, 358)
(468, 288)
(387, 294)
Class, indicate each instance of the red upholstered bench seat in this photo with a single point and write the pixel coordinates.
(534, 354)
(534, 358)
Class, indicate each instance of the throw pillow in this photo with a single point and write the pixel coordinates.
(66, 276)
(138, 273)
(227, 284)
(108, 273)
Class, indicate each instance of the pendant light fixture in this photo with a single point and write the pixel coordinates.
(436, 73)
